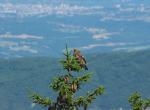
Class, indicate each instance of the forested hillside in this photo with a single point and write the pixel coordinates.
(121, 74)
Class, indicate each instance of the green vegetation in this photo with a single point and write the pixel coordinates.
(121, 73)
(138, 103)
(67, 85)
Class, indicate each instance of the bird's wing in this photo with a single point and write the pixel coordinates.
(84, 59)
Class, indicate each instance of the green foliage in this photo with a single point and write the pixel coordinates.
(40, 100)
(70, 63)
(137, 103)
(67, 85)
(85, 101)
(121, 73)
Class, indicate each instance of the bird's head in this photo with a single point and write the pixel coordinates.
(76, 51)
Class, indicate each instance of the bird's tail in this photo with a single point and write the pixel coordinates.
(85, 67)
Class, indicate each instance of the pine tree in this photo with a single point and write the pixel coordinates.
(67, 85)
(137, 102)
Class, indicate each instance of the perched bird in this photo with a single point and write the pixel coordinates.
(77, 54)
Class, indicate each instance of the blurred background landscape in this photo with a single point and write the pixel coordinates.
(114, 36)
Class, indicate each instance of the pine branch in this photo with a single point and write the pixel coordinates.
(146, 103)
(84, 78)
(57, 83)
(40, 100)
(79, 80)
(87, 100)
(137, 103)
(92, 96)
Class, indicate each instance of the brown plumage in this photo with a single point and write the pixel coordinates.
(77, 54)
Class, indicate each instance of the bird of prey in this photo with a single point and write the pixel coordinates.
(77, 54)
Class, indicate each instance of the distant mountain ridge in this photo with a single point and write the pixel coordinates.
(34, 27)
(120, 72)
